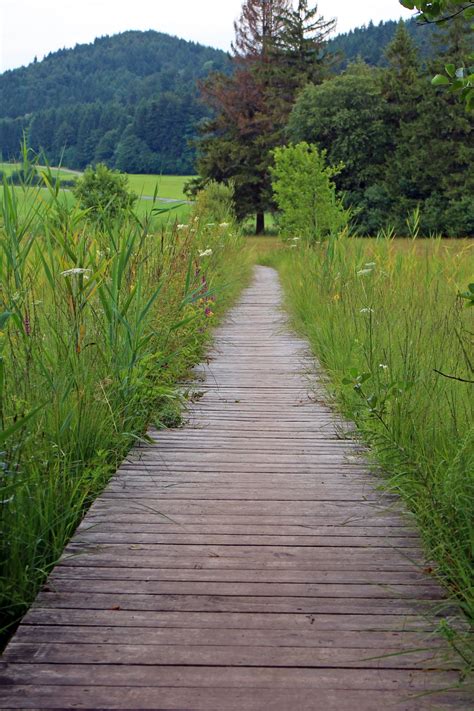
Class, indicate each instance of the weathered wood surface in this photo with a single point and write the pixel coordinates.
(246, 561)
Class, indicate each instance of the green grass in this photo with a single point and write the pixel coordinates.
(62, 173)
(168, 186)
(96, 327)
(383, 316)
(160, 214)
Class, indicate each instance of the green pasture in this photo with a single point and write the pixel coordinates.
(167, 186)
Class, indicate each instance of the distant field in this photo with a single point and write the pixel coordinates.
(169, 186)
(62, 173)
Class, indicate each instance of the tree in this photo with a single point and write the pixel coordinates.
(302, 40)
(252, 105)
(458, 77)
(347, 117)
(430, 167)
(260, 23)
(306, 195)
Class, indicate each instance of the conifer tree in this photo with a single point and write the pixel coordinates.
(302, 38)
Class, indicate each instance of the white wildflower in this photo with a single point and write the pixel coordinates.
(206, 253)
(224, 225)
(367, 311)
(77, 271)
(383, 366)
(181, 227)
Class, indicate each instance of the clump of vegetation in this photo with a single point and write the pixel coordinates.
(98, 320)
(306, 195)
(104, 193)
(216, 202)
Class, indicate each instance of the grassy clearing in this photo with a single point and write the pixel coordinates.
(96, 327)
(383, 316)
(157, 214)
(168, 186)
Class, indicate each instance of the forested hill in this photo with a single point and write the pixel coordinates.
(370, 42)
(130, 100)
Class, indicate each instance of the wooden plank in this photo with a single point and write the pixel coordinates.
(207, 655)
(308, 639)
(236, 603)
(215, 699)
(112, 675)
(292, 621)
(83, 572)
(251, 589)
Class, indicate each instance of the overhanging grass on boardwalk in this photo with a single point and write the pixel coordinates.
(97, 324)
(383, 316)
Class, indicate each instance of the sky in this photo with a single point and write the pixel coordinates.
(33, 28)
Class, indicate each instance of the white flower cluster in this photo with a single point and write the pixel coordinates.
(368, 269)
(206, 253)
(77, 271)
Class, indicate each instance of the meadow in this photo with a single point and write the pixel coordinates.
(387, 320)
(97, 325)
(159, 214)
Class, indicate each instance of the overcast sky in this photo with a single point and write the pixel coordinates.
(30, 28)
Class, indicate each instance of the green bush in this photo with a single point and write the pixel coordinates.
(305, 193)
(104, 193)
(216, 202)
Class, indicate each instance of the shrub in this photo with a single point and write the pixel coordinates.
(216, 202)
(305, 193)
(104, 193)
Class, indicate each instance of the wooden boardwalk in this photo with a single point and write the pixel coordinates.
(242, 563)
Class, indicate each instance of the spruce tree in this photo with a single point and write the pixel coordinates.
(302, 39)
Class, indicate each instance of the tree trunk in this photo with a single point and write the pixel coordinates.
(260, 226)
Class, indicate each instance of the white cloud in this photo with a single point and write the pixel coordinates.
(30, 28)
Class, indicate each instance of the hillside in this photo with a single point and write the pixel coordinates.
(370, 41)
(130, 100)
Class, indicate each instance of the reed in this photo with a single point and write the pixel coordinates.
(97, 324)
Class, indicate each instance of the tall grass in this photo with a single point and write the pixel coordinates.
(96, 326)
(389, 327)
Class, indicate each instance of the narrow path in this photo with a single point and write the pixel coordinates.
(242, 563)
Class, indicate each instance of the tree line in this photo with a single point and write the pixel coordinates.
(402, 148)
(130, 101)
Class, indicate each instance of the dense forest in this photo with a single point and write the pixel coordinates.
(131, 100)
(369, 43)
